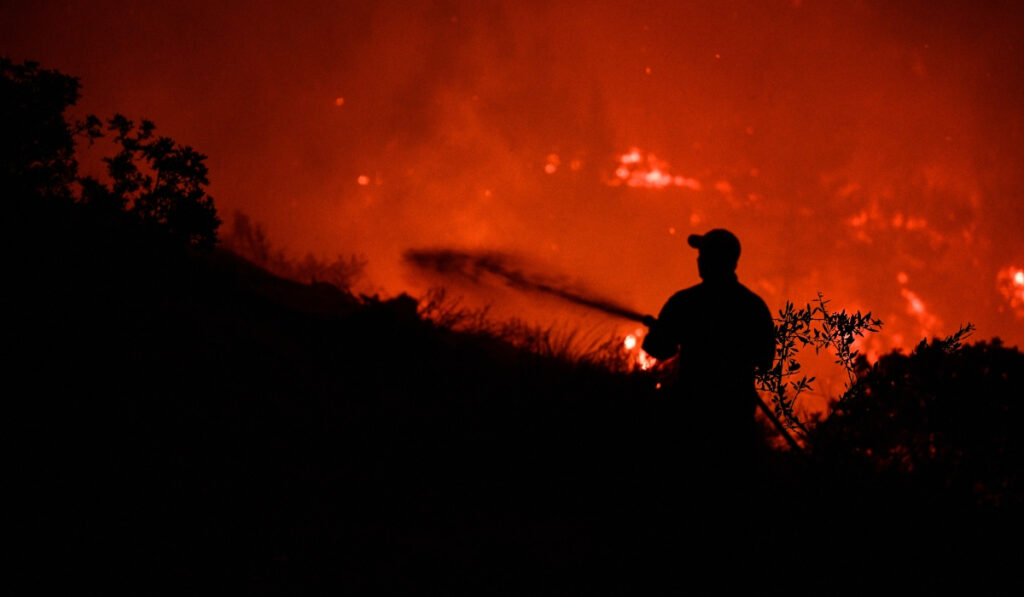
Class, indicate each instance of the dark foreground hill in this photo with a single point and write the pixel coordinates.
(189, 422)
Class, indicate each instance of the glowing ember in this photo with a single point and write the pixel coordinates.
(1010, 281)
(552, 164)
(631, 343)
(647, 171)
(914, 303)
(363, 180)
(916, 307)
(339, 101)
(644, 360)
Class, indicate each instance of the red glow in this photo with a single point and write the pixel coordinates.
(865, 152)
(552, 163)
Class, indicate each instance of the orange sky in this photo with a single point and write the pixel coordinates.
(868, 152)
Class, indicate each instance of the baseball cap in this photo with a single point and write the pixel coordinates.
(716, 243)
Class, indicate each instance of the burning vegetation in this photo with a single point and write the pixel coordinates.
(845, 144)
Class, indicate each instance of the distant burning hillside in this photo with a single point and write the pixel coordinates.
(869, 151)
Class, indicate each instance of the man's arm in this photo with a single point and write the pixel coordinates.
(660, 342)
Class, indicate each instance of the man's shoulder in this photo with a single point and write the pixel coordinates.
(685, 295)
(735, 294)
(752, 295)
(754, 300)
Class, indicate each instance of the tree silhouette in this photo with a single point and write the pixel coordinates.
(37, 150)
(161, 183)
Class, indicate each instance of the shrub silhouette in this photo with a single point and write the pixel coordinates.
(945, 418)
(248, 239)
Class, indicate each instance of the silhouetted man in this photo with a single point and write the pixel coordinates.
(722, 332)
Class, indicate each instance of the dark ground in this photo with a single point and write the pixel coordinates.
(188, 423)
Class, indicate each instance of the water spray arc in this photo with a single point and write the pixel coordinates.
(474, 267)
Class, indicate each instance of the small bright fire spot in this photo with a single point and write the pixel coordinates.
(646, 171)
(340, 101)
(631, 344)
(902, 277)
(363, 180)
(552, 163)
(916, 307)
(1010, 281)
(914, 303)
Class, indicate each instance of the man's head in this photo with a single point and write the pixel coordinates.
(719, 251)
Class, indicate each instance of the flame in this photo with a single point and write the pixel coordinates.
(646, 171)
(631, 343)
(916, 307)
(1010, 281)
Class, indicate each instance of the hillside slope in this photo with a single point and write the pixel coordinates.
(189, 420)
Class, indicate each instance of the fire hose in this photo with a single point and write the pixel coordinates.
(474, 266)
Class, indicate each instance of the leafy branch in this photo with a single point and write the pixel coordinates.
(155, 179)
(825, 330)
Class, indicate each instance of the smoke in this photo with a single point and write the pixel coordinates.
(866, 150)
(478, 268)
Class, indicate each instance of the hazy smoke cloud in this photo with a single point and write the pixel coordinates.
(867, 150)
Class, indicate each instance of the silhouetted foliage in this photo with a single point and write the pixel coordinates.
(158, 182)
(825, 330)
(37, 151)
(947, 417)
(161, 183)
(249, 240)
